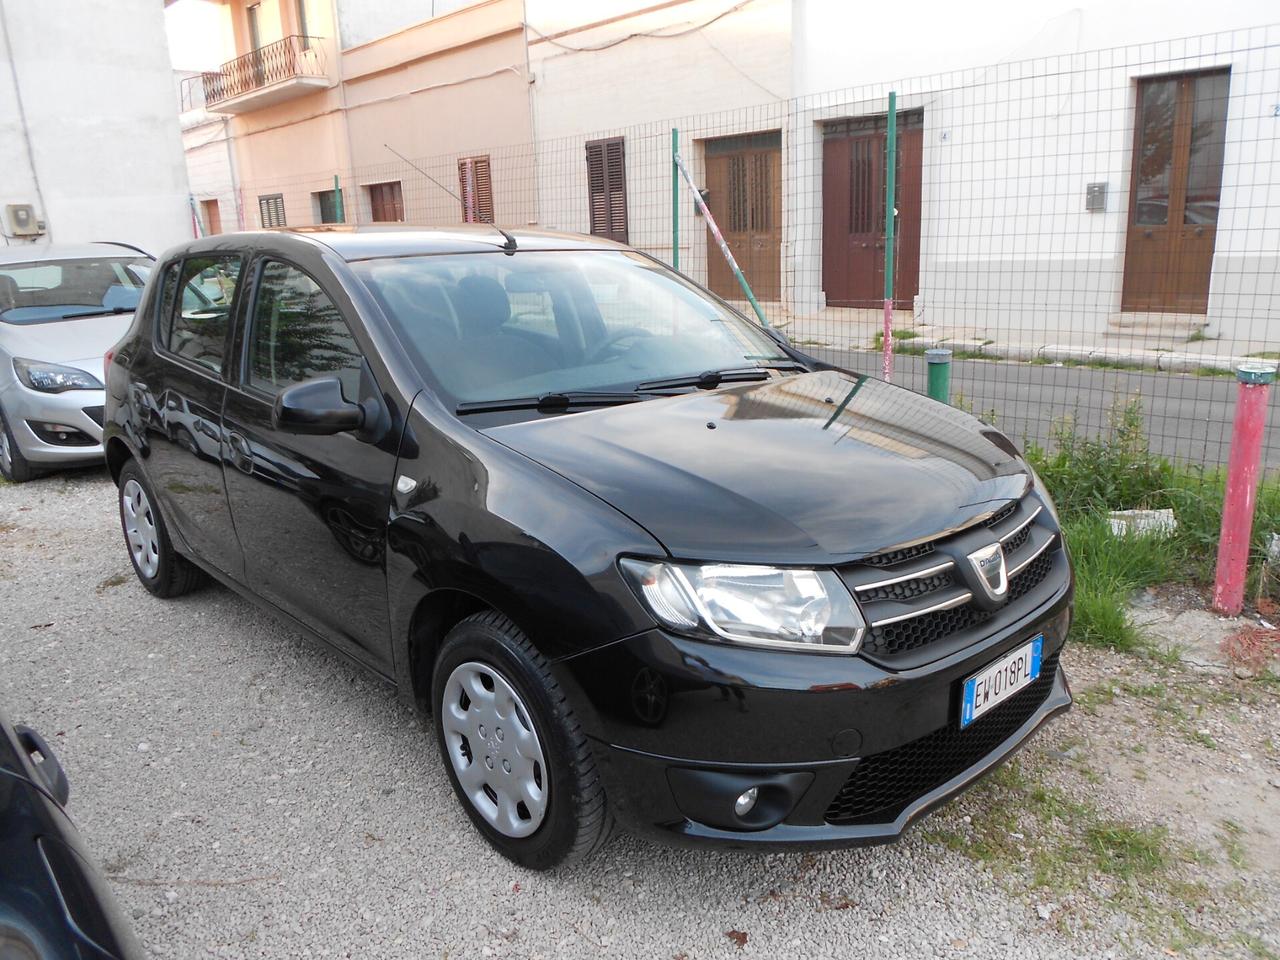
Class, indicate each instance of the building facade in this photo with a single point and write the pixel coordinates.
(95, 161)
(1101, 171)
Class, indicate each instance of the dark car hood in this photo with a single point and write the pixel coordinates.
(814, 468)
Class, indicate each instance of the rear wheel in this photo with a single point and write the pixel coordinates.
(517, 757)
(160, 568)
(14, 467)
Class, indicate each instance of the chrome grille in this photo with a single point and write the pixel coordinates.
(919, 607)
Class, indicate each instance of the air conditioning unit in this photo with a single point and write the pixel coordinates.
(21, 220)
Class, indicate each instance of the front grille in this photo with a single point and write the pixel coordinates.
(907, 589)
(883, 784)
(918, 601)
(95, 414)
(898, 556)
(895, 639)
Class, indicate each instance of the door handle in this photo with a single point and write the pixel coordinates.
(1199, 231)
(240, 455)
(1148, 234)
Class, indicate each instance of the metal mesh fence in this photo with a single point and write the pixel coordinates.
(1080, 230)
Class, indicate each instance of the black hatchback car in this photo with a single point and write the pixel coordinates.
(639, 557)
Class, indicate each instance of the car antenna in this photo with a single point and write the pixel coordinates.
(510, 245)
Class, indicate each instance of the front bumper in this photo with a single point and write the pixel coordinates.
(80, 409)
(846, 753)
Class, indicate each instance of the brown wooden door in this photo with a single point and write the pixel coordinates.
(1179, 138)
(745, 196)
(853, 210)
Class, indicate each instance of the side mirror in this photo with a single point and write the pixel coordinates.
(316, 407)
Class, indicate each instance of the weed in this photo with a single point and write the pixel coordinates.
(898, 336)
(115, 580)
(1197, 336)
(1232, 844)
(1212, 372)
(1256, 946)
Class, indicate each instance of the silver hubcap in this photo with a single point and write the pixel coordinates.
(140, 528)
(494, 749)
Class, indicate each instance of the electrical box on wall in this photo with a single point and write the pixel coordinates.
(20, 218)
(1095, 198)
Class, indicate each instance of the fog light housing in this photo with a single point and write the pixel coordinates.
(742, 806)
(737, 800)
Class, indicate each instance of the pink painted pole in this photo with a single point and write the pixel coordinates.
(888, 340)
(1243, 465)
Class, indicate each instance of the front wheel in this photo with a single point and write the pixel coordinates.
(14, 467)
(518, 759)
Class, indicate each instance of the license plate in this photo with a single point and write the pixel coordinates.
(995, 684)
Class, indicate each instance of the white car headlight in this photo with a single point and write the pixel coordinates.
(798, 609)
(53, 377)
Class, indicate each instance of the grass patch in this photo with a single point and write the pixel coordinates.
(1212, 372)
(1090, 476)
(1197, 336)
(1266, 355)
(898, 336)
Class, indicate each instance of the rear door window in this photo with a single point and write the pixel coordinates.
(195, 326)
(297, 333)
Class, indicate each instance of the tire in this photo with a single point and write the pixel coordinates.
(14, 467)
(572, 820)
(160, 568)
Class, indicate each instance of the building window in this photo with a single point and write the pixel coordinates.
(324, 205)
(386, 203)
(607, 188)
(211, 216)
(476, 189)
(271, 211)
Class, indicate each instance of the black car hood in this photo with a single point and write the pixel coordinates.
(813, 468)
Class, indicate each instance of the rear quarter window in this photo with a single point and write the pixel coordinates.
(196, 297)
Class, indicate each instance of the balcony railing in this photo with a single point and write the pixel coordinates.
(288, 59)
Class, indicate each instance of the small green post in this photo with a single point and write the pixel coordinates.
(939, 362)
(337, 200)
(675, 200)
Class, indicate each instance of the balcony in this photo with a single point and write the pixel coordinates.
(279, 71)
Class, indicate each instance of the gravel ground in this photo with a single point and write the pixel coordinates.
(251, 795)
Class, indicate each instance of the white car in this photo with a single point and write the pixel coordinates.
(61, 309)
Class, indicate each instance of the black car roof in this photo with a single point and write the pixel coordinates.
(368, 242)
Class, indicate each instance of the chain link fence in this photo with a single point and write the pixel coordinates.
(1079, 230)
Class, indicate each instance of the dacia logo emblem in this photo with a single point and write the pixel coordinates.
(993, 576)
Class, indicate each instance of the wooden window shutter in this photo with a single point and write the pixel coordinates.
(271, 211)
(474, 175)
(386, 202)
(607, 188)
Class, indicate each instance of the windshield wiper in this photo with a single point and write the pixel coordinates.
(109, 311)
(559, 400)
(711, 379)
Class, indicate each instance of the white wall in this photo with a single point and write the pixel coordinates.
(360, 21)
(841, 44)
(210, 171)
(101, 121)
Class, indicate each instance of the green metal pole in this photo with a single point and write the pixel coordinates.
(337, 200)
(675, 200)
(939, 361)
(721, 241)
(890, 193)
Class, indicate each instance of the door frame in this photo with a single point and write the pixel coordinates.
(910, 200)
(1183, 112)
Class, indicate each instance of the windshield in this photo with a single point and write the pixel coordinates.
(493, 326)
(43, 291)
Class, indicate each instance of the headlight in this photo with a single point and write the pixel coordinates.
(1043, 493)
(764, 606)
(53, 377)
